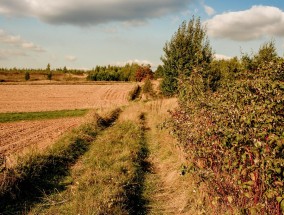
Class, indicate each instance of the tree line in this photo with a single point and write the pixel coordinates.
(129, 72)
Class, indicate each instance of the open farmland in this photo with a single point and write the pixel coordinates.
(32, 98)
(15, 137)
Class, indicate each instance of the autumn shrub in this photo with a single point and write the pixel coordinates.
(144, 72)
(234, 138)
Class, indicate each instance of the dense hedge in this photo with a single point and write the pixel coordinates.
(234, 136)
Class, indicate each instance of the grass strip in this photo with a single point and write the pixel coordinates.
(40, 174)
(109, 177)
(134, 93)
(13, 117)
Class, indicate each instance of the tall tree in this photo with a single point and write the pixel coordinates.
(188, 49)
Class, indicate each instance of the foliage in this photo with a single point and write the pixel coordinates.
(187, 50)
(266, 55)
(114, 73)
(148, 87)
(48, 68)
(234, 134)
(159, 73)
(144, 72)
(49, 76)
(27, 76)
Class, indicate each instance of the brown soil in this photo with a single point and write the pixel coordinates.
(31, 98)
(17, 136)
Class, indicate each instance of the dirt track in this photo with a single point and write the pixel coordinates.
(31, 98)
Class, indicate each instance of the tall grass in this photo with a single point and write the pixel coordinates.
(13, 117)
(108, 179)
(134, 93)
(38, 174)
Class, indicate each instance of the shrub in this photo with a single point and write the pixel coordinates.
(49, 76)
(234, 138)
(27, 76)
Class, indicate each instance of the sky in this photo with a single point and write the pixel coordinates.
(84, 33)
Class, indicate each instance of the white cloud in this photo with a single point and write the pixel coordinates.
(32, 46)
(6, 54)
(92, 12)
(255, 23)
(18, 42)
(222, 57)
(71, 58)
(209, 10)
(140, 62)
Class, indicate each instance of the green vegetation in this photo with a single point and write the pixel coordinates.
(159, 73)
(129, 72)
(148, 89)
(188, 50)
(109, 177)
(27, 76)
(229, 130)
(43, 173)
(12, 117)
(230, 123)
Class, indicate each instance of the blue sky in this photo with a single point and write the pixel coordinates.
(86, 33)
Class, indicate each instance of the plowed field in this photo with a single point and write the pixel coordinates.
(32, 98)
(14, 137)
(17, 136)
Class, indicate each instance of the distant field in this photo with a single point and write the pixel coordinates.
(34, 98)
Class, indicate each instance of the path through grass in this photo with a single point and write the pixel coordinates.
(109, 178)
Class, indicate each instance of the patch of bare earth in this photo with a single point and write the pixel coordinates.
(32, 98)
(17, 137)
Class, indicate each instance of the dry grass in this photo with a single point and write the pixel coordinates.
(105, 178)
(97, 182)
(168, 190)
(39, 173)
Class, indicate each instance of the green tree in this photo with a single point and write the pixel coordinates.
(49, 76)
(49, 73)
(159, 73)
(65, 69)
(266, 54)
(188, 49)
(27, 76)
(48, 67)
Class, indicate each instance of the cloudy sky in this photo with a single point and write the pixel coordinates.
(86, 33)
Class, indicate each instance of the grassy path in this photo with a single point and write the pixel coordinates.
(109, 178)
(133, 167)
